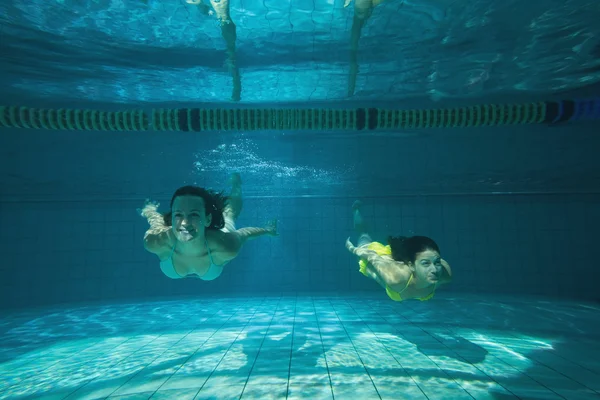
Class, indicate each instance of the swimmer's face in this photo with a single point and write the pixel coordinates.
(189, 217)
(428, 266)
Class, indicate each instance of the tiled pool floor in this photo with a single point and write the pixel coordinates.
(304, 347)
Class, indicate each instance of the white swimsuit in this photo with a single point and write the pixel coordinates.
(214, 271)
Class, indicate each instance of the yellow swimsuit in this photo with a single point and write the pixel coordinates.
(382, 250)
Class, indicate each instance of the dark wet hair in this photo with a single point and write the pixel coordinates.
(405, 249)
(214, 203)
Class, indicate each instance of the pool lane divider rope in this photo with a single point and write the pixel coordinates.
(257, 119)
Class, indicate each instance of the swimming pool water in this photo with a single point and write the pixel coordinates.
(309, 346)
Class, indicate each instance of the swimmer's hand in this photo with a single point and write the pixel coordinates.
(150, 208)
(362, 251)
(351, 248)
(271, 228)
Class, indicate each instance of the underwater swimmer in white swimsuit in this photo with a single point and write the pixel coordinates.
(197, 238)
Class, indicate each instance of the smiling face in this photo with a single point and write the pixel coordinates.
(189, 219)
(428, 266)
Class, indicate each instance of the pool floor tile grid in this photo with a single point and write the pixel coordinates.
(304, 347)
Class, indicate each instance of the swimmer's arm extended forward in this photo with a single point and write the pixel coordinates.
(250, 233)
(230, 243)
(156, 237)
(154, 218)
(388, 271)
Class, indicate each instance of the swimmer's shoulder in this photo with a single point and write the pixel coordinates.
(224, 246)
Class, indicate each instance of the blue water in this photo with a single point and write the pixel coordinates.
(514, 209)
(304, 347)
(167, 51)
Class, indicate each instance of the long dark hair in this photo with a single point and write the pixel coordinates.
(405, 249)
(214, 203)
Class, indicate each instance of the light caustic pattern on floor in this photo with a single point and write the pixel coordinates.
(304, 347)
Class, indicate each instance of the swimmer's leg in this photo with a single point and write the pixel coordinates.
(359, 225)
(364, 239)
(234, 204)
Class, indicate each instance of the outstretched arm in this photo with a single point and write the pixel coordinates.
(157, 236)
(388, 272)
(252, 233)
(229, 244)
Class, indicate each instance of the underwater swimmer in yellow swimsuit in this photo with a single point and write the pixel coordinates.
(407, 268)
